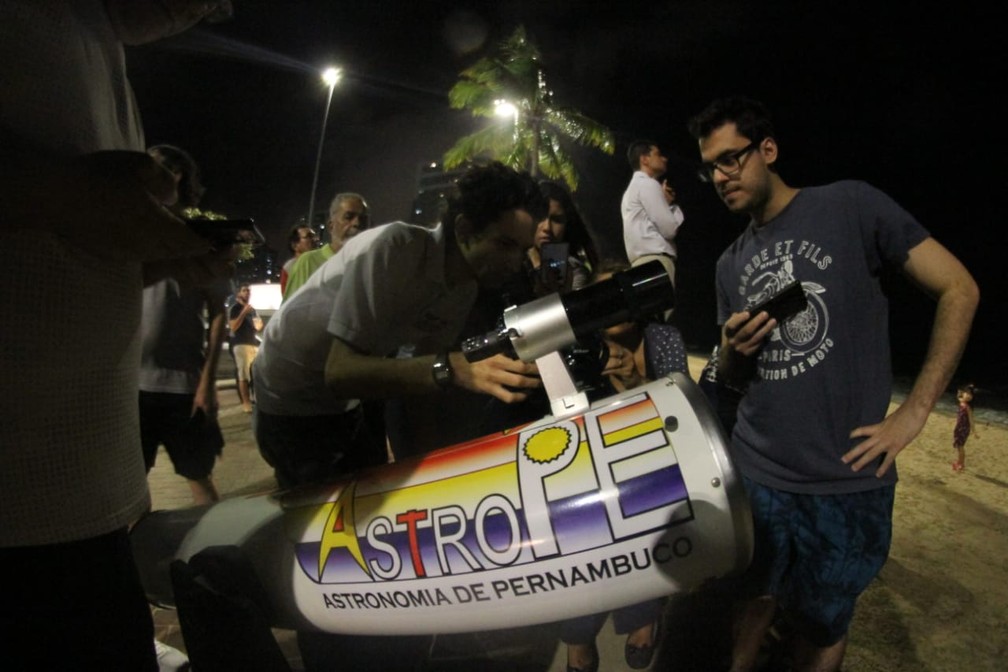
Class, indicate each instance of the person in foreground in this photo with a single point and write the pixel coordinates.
(812, 440)
(82, 225)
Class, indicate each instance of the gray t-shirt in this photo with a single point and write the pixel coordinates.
(826, 370)
(173, 335)
(383, 290)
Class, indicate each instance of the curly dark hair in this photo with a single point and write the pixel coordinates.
(751, 118)
(484, 192)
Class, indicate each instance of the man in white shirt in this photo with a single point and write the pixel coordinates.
(651, 218)
(392, 286)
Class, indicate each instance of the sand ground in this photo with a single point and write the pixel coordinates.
(941, 601)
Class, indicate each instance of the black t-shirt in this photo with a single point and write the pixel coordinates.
(245, 334)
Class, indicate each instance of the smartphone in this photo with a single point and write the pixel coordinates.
(224, 232)
(553, 265)
(784, 304)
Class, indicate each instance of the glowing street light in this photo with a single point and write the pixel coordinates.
(331, 77)
(503, 108)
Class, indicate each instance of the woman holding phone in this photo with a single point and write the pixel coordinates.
(563, 257)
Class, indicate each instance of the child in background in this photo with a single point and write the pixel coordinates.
(964, 422)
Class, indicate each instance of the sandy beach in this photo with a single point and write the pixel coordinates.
(941, 602)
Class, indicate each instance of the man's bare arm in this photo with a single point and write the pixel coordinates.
(943, 277)
(206, 392)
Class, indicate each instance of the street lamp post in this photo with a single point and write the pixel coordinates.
(331, 76)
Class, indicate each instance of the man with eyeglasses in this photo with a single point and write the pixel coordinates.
(348, 216)
(300, 239)
(812, 439)
(651, 217)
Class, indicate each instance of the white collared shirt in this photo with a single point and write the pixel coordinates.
(649, 222)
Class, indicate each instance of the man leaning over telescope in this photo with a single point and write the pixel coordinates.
(396, 285)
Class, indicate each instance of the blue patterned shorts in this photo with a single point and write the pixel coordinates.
(817, 553)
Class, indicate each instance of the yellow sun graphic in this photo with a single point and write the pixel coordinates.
(547, 445)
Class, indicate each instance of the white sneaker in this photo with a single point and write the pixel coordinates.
(169, 658)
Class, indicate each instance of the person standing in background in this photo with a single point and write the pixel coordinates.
(964, 423)
(651, 217)
(245, 325)
(179, 357)
(300, 239)
(348, 216)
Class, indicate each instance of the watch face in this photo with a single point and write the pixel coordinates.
(442, 371)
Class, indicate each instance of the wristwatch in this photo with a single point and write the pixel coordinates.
(442, 371)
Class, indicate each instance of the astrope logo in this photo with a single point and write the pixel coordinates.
(508, 500)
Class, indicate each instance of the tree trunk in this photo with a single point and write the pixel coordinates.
(536, 139)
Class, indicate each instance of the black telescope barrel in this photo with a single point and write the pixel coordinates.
(628, 295)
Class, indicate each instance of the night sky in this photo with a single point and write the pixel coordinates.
(906, 99)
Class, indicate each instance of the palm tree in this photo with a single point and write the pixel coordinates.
(514, 75)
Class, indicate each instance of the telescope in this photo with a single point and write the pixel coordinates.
(602, 504)
(537, 331)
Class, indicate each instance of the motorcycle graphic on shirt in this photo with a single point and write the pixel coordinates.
(804, 331)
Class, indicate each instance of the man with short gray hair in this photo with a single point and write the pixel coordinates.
(348, 216)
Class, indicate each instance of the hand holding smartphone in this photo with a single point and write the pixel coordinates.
(786, 303)
(553, 270)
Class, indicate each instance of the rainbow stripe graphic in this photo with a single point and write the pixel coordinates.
(504, 500)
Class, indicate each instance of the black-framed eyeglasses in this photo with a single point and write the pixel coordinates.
(729, 164)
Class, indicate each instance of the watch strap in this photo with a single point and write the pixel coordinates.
(441, 371)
